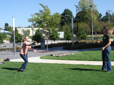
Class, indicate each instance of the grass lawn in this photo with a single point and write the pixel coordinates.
(95, 55)
(54, 74)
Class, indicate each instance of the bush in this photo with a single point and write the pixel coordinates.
(54, 35)
(67, 34)
(83, 45)
(81, 34)
(38, 36)
(18, 37)
(2, 37)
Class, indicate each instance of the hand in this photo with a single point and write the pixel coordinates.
(103, 48)
(99, 42)
(34, 41)
(34, 50)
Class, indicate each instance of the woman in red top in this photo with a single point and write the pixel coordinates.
(23, 52)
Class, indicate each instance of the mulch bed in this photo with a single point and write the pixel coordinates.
(45, 51)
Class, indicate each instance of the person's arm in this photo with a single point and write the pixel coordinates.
(107, 45)
(30, 44)
(29, 47)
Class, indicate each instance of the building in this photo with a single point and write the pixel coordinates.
(8, 33)
(32, 31)
(112, 31)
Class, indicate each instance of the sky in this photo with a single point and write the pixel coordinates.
(21, 10)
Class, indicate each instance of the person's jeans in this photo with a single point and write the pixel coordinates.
(106, 59)
(25, 58)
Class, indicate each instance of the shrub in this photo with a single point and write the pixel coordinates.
(67, 34)
(81, 34)
(38, 36)
(54, 35)
(18, 37)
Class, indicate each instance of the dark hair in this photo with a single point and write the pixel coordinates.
(106, 29)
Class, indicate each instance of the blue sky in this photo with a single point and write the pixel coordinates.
(22, 9)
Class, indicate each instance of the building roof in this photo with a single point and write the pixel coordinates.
(4, 31)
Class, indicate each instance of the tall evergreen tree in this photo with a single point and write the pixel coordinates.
(18, 37)
(66, 17)
(6, 26)
(67, 33)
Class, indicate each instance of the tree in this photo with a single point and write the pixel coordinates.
(105, 19)
(6, 26)
(9, 29)
(66, 17)
(67, 33)
(27, 32)
(82, 25)
(54, 35)
(18, 37)
(38, 36)
(84, 15)
(99, 16)
(45, 20)
(2, 37)
(81, 33)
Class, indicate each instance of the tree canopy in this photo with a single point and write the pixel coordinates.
(66, 17)
(45, 20)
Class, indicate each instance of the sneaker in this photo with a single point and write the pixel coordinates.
(108, 71)
(20, 70)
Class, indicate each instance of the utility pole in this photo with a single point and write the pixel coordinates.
(109, 15)
(77, 16)
(92, 19)
(32, 24)
(72, 32)
(14, 36)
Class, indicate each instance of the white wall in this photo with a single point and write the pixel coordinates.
(21, 32)
(61, 34)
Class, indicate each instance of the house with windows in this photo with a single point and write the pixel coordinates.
(31, 31)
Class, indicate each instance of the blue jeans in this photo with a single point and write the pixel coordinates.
(106, 59)
(25, 58)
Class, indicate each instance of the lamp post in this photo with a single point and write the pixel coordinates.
(109, 15)
(32, 23)
(72, 32)
(77, 16)
(14, 36)
(92, 19)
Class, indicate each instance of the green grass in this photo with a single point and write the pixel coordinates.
(54, 74)
(95, 55)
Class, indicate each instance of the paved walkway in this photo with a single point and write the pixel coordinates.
(35, 57)
(38, 60)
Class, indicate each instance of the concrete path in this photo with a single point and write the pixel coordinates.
(35, 57)
(38, 60)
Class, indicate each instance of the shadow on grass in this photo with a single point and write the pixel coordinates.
(82, 69)
(10, 68)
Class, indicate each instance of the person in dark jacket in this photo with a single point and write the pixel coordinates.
(106, 49)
